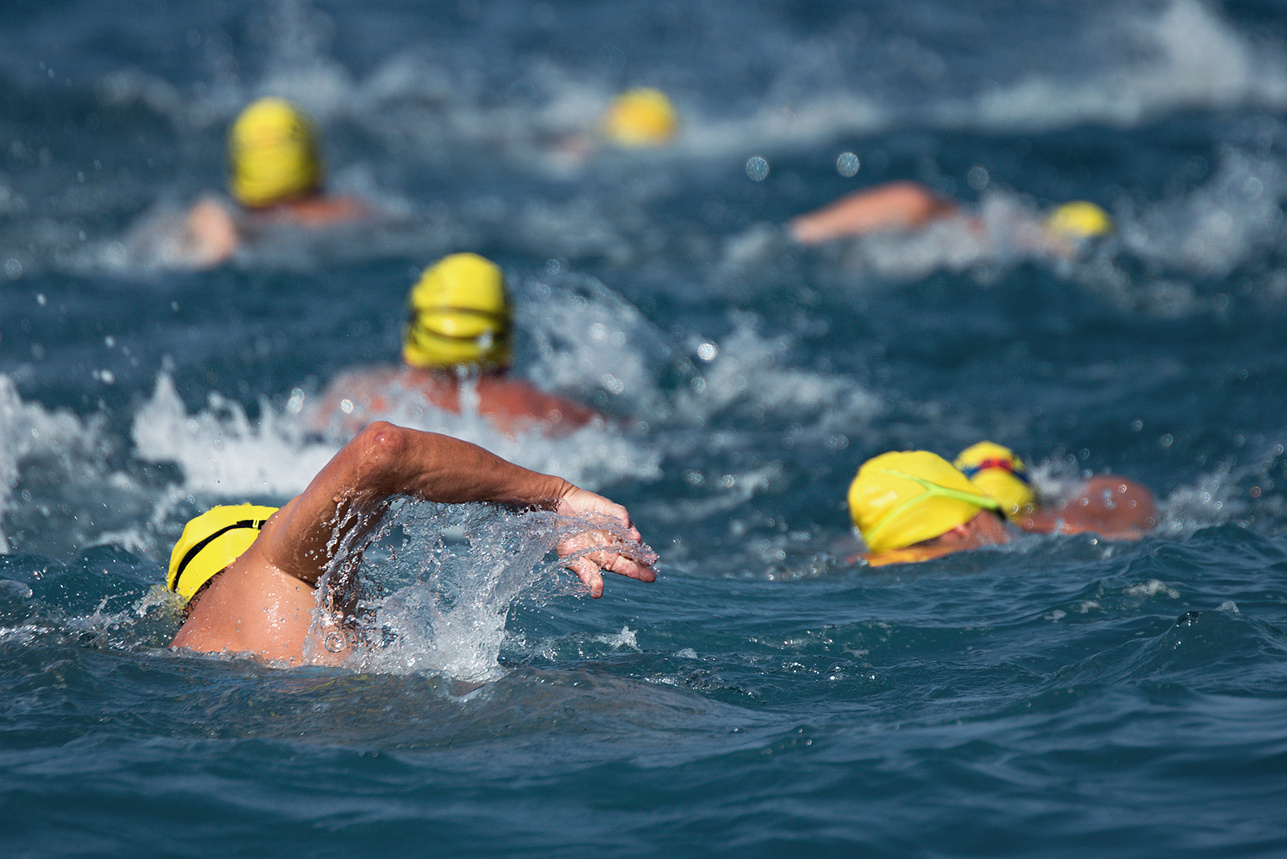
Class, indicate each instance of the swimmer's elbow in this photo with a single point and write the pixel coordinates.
(381, 446)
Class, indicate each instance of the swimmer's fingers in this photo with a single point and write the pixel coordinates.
(607, 541)
(587, 555)
(625, 565)
(588, 572)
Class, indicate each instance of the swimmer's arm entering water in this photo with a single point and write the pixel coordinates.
(385, 461)
(265, 602)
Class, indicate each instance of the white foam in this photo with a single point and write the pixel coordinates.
(221, 451)
(626, 638)
(1210, 500)
(1235, 214)
(749, 368)
(1139, 63)
(1151, 588)
(28, 431)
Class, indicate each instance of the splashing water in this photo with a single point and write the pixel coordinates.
(439, 599)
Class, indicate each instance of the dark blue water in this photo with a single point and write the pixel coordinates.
(1060, 696)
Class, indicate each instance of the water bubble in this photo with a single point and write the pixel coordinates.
(707, 352)
(612, 383)
(13, 268)
(847, 164)
(757, 168)
(978, 178)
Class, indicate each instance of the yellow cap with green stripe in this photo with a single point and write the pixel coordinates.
(902, 498)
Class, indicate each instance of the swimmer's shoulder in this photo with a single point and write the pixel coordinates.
(320, 210)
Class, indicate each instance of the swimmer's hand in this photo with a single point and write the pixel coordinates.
(209, 235)
(606, 540)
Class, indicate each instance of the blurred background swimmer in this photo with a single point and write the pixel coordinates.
(1109, 505)
(636, 119)
(276, 176)
(911, 206)
(455, 356)
(640, 117)
(914, 505)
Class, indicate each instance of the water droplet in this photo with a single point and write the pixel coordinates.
(757, 168)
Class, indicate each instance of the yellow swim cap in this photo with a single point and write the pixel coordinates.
(272, 154)
(1077, 221)
(1000, 474)
(211, 542)
(640, 117)
(459, 314)
(902, 498)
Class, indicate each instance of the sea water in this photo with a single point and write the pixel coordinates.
(767, 696)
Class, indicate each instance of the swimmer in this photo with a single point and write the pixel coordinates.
(275, 177)
(458, 332)
(249, 575)
(1112, 506)
(912, 506)
(911, 206)
(639, 118)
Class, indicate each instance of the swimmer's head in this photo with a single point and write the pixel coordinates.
(902, 498)
(1000, 474)
(1078, 221)
(458, 315)
(272, 155)
(640, 117)
(212, 541)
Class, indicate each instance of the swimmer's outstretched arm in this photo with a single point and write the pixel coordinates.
(385, 461)
(891, 206)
